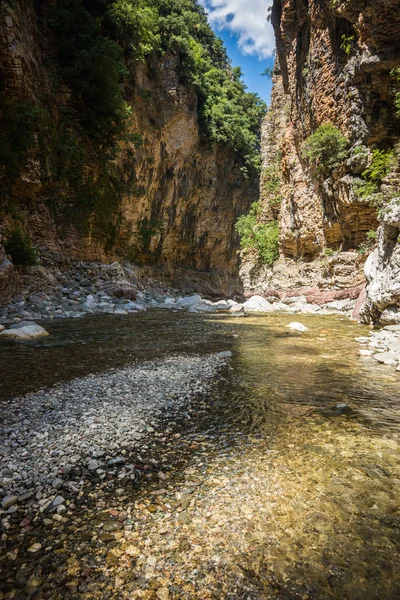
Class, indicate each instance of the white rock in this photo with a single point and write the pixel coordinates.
(387, 358)
(295, 326)
(2, 328)
(222, 305)
(235, 307)
(257, 304)
(25, 333)
(188, 301)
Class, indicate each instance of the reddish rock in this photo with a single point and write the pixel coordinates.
(359, 304)
(316, 296)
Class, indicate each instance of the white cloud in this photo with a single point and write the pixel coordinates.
(247, 19)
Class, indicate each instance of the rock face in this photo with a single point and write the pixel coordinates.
(382, 271)
(182, 195)
(334, 62)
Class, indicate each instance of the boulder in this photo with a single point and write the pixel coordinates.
(189, 301)
(28, 332)
(387, 358)
(382, 268)
(295, 326)
(257, 304)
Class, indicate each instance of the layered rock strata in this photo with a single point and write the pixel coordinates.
(182, 195)
(334, 64)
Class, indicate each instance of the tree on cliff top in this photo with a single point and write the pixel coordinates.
(101, 40)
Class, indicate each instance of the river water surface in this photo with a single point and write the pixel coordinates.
(272, 491)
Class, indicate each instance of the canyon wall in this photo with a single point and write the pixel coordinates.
(334, 62)
(181, 193)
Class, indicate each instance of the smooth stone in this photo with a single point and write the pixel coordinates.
(387, 358)
(394, 347)
(118, 460)
(189, 301)
(25, 333)
(225, 354)
(9, 501)
(257, 304)
(342, 408)
(35, 547)
(57, 483)
(296, 326)
(2, 328)
(392, 328)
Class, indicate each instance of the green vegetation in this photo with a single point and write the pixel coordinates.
(268, 72)
(347, 43)
(263, 238)
(93, 66)
(18, 245)
(372, 176)
(325, 149)
(146, 228)
(372, 234)
(395, 73)
(99, 41)
(21, 128)
(271, 184)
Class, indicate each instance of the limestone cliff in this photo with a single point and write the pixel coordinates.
(334, 64)
(170, 199)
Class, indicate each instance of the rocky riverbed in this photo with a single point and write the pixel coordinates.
(54, 442)
(94, 288)
(382, 345)
(203, 477)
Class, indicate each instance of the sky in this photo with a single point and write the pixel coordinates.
(248, 37)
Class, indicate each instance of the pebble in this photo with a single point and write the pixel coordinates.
(35, 547)
(9, 501)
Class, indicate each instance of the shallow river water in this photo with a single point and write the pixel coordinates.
(269, 491)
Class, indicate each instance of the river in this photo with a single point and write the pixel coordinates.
(282, 483)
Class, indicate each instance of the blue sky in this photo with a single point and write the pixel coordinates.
(248, 37)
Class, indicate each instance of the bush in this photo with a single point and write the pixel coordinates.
(325, 149)
(271, 184)
(372, 176)
(259, 237)
(92, 65)
(395, 73)
(18, 246)
(21, 122)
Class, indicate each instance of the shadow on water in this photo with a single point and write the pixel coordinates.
(288, 498)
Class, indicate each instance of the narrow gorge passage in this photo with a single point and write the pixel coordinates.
(273, 473)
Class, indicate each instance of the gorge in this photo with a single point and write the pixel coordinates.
(199, 303)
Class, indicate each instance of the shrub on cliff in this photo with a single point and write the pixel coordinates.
(99, 40)
(92, 65)
(261, 238)
(325, 149)
(18, 245)
(380, 165)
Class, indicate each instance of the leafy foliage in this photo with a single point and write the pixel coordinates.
(20, 126)
(18, 245)
(92, 65)
(376, 171)
(93, 35)
(347, 43)
(263, 238)
(395, 73)
(325, 149)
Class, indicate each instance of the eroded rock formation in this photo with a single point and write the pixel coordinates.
(334, 63)
(182, 195)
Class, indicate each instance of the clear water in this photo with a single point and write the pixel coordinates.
(270, 492)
